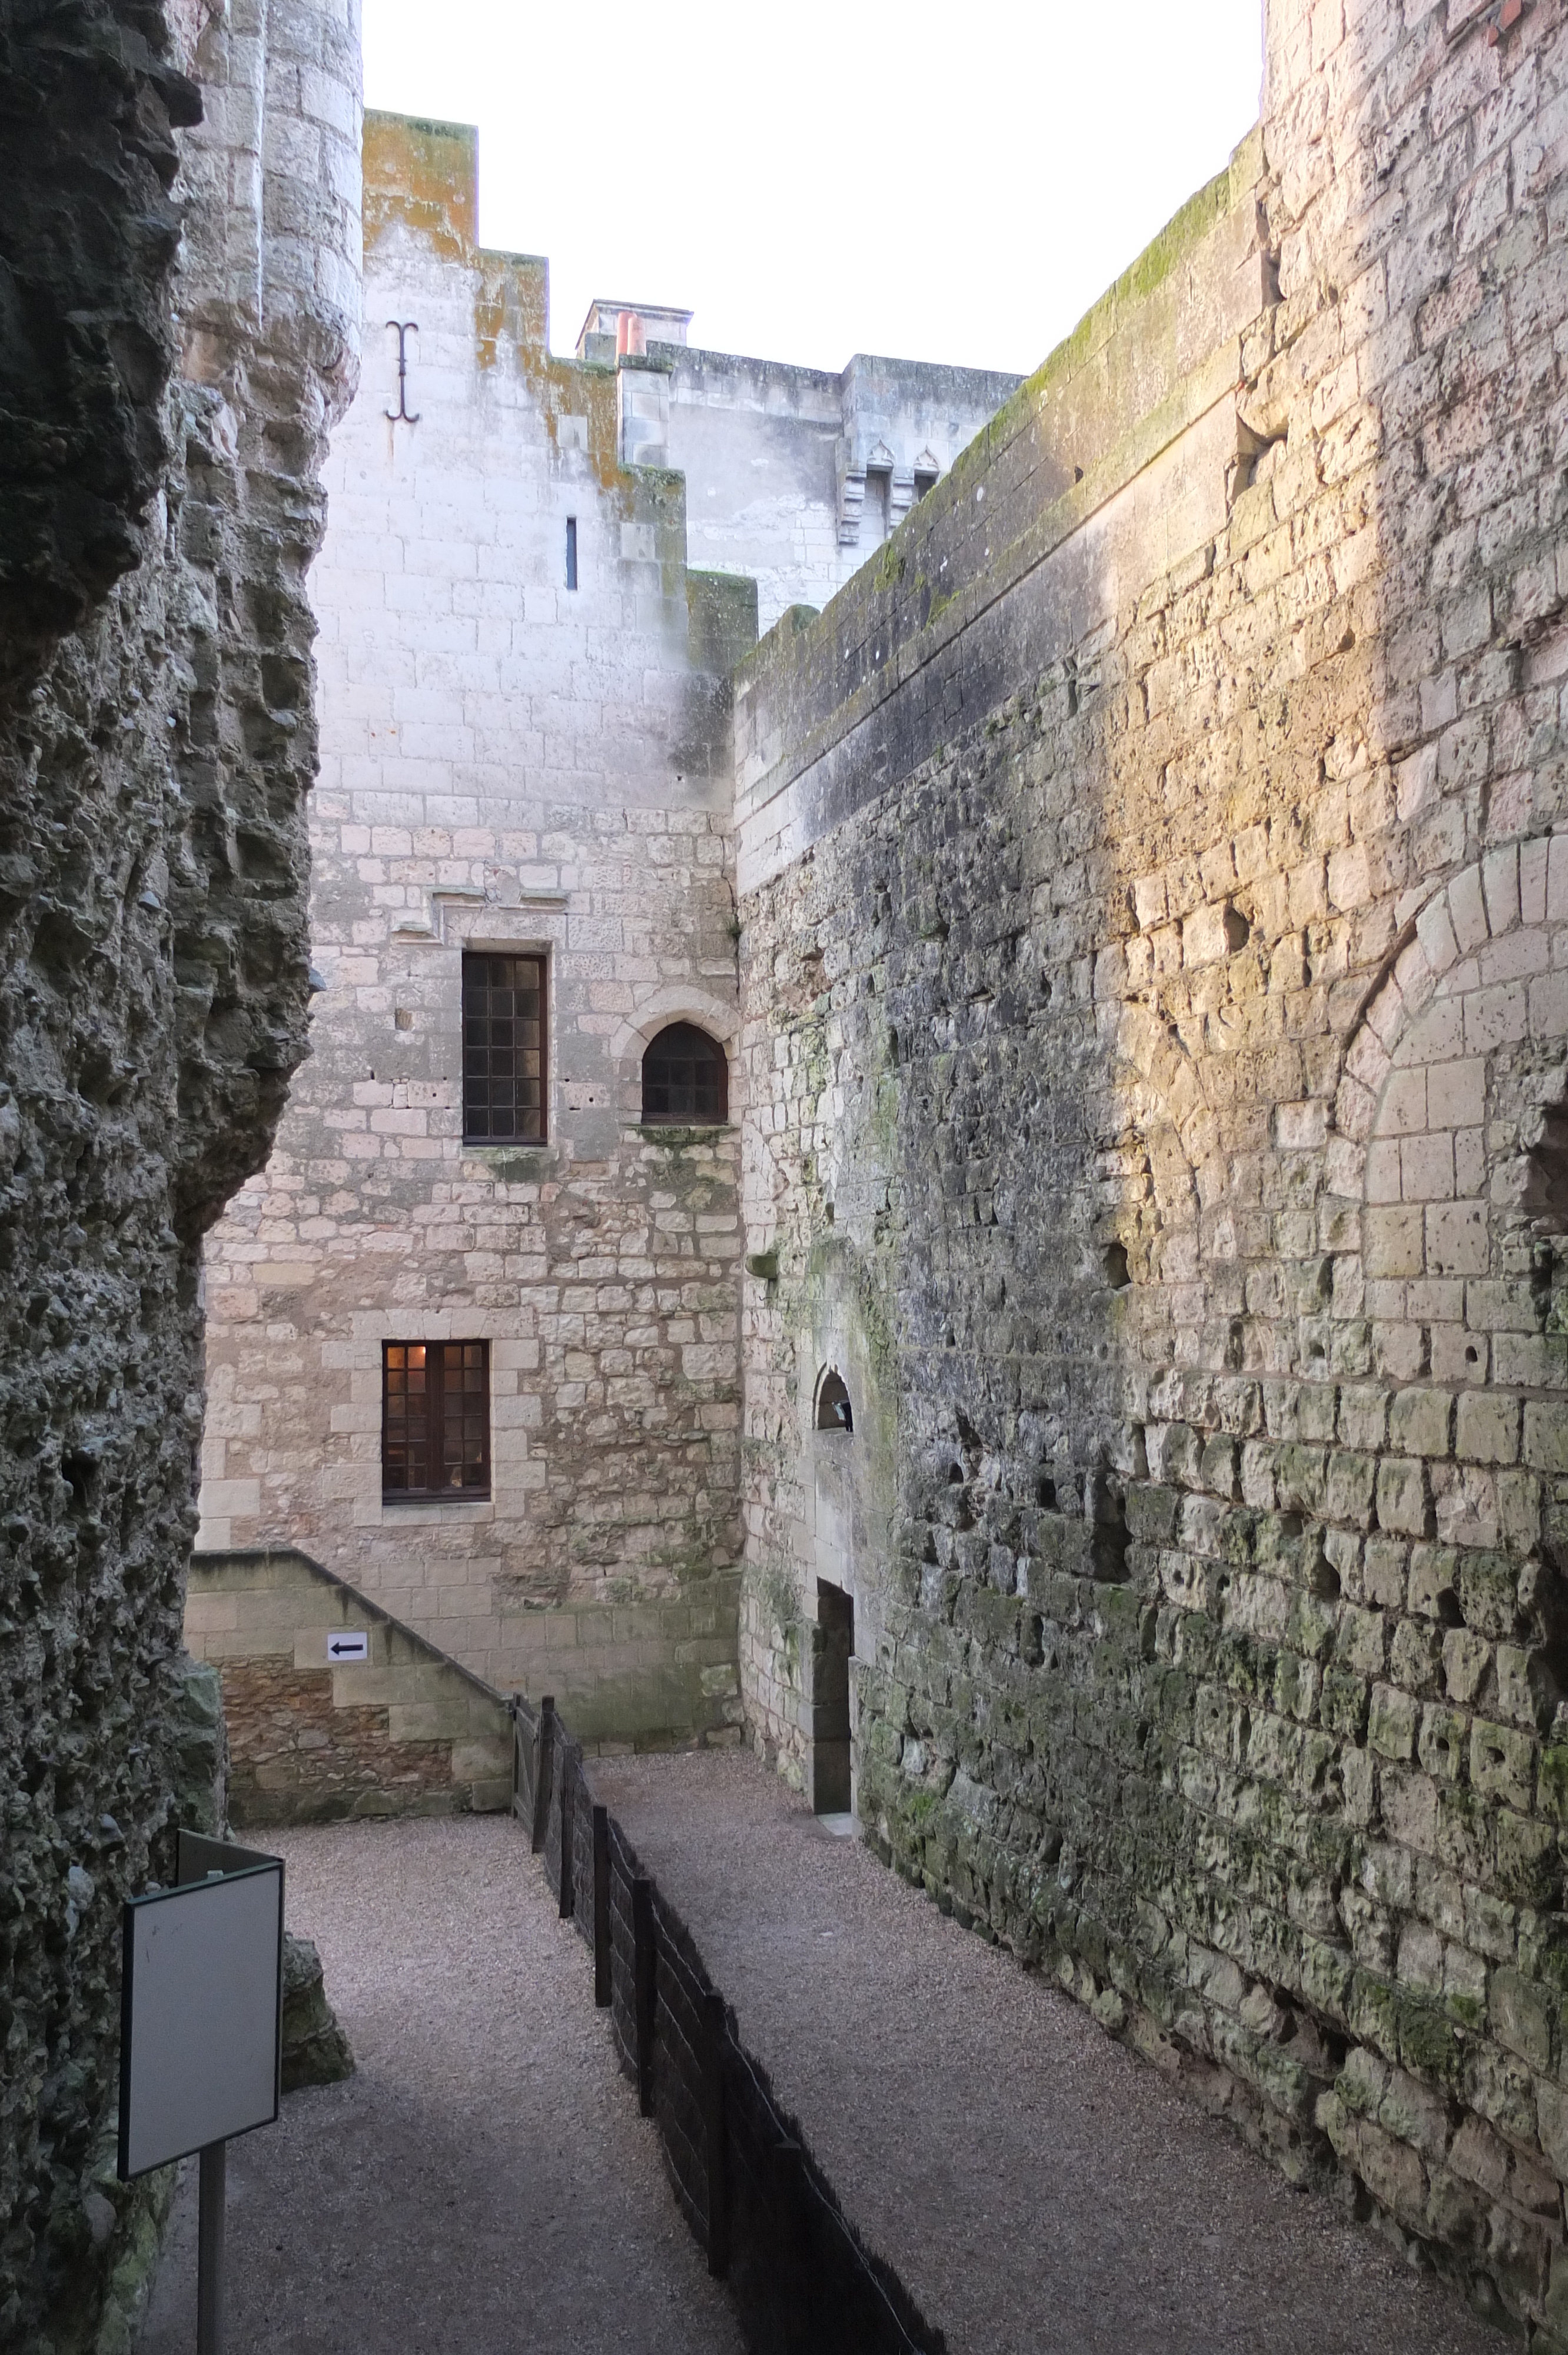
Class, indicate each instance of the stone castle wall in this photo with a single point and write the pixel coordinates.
(796, 476)
(162, 422)
(507, 763)
(1156, 1054)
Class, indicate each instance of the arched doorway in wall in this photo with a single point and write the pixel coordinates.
(832, 1636)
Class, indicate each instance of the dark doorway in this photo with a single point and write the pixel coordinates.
(832, 1645)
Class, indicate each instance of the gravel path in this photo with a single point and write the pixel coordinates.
(483, 2185)
(1040, 2189)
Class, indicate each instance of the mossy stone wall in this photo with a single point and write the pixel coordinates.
(1154, 916)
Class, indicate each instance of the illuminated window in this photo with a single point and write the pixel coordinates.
(834, 1411)
(435, 1418)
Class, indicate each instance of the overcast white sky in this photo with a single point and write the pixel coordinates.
(825, 177)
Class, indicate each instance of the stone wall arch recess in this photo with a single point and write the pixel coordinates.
(1451, 1137)
(1447, 1173)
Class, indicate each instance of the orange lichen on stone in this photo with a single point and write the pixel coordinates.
(512, 299)
(426, 175)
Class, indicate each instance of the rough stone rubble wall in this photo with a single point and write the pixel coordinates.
(1156, 932)
(156, 744)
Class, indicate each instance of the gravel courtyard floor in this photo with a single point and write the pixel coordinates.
(1040, 2191)
(483, 2185)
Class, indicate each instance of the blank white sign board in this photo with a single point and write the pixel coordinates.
(201, 2012)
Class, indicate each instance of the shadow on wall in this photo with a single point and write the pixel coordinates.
(1215, 972)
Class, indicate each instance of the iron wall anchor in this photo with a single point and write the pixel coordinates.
(401, 415)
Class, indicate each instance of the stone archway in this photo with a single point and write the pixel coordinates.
(1451, 1131)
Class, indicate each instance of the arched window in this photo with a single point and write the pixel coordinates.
(685, 1079)
(833, 1410)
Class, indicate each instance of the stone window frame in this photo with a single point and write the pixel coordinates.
(516, 1461)
(464, 922)
(823, 1401)
(675, 1002)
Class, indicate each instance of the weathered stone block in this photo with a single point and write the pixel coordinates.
(1419, 1422)
(1403, 1503)
(1349, 1491)
(1524, 2017)
(1529, 1866)
(1392, 1722)
(315, 2050)
(1546, 1436)
(1488, 1429)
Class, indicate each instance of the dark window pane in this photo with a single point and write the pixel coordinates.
(685, 1078)
(503, 1049)
(435, 1418)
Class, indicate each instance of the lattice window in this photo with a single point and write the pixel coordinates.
(685, 1079)
(503, 1050)
(435, 1418)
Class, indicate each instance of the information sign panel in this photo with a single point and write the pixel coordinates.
(201, 2005)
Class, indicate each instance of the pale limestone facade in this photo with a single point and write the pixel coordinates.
(794, 476)
(509, 762)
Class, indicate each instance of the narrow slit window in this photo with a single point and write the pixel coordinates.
(435, 1418)
(503, 1049)
(571, 551)
(685, 1079)
(834, 1411)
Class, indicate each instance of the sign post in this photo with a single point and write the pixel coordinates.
(213, 2165)
(201, 2016)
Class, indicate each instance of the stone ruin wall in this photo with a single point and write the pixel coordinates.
(162, 414)
(1154, 873)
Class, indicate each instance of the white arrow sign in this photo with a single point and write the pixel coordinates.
(348, 1644)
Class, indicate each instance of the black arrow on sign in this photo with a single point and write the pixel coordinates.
(356, 1649)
